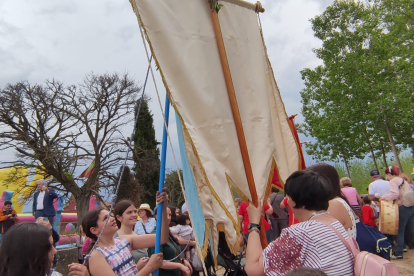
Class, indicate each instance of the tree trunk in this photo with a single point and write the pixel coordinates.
(370, 146)
(384, 156)
(346, 166)
(394, 148)
(82, 206)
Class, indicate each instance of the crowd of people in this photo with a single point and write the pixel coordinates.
(305, 227)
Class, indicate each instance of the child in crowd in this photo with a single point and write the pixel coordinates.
(80, 241)
(184, 230)
(368, 216)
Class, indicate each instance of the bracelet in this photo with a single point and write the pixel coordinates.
(254, 229)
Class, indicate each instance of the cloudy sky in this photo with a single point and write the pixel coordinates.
(65, 40)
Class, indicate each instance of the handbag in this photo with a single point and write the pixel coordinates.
(367, 264)
(195, 260)
(408, 196)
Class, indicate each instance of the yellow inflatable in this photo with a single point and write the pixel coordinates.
(14, 179)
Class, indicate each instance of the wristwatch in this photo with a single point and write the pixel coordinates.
(251, 225)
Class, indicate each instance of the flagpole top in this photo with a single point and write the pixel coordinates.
(259, 7)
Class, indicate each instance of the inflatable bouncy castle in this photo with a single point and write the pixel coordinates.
(66, 217)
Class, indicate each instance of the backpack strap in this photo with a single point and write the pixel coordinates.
(145, 229)
(399, 186)
(271, 203)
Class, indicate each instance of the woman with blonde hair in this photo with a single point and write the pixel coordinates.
(351, 194)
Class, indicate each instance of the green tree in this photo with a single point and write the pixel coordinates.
(129, 187)
(146, 154)
(172, 183)
(361, 94)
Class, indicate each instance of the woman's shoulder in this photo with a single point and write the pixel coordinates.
(125, 240)
(314, 229)
(396, 180)
(303, 228)
(336, 202)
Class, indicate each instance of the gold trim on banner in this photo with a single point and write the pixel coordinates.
(269, 180)
(219, 228)
(213, 192)
(204, 249)
(233, 248)
(275, 83)
(233, 186)
(298, 147)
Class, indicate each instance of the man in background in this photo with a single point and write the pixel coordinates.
(378, 185)
(279, 217)
(43, 202)
(8, 218)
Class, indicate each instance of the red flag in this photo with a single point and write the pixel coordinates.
(89, 170)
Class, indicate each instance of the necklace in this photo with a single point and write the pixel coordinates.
(314, 214)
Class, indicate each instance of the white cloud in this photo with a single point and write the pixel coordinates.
(65, 40)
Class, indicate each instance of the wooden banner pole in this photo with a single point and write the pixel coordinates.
(236, 116)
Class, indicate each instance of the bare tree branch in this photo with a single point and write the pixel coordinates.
(47, 127)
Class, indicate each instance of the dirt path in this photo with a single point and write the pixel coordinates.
(405, 266)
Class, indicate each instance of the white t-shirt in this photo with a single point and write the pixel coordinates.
(40, 198)
(382, 187)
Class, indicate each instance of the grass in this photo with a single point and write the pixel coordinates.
(359, 171)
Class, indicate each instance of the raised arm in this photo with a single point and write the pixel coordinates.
(146, 241)
(282, 204)
(268, 209)
(394, 191)
(254, 257)
(52, 193)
